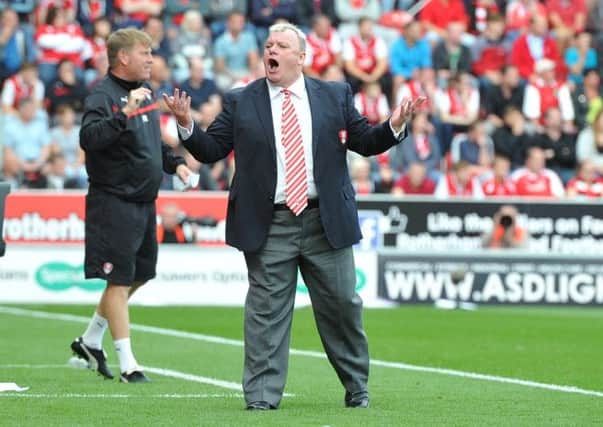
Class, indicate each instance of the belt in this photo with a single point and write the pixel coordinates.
(312, 204)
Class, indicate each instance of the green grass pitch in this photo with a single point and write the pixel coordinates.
(551, 346)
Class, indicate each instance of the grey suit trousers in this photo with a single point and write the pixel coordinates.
(292, 243)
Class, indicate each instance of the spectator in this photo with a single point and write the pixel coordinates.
(589, 145)
(65, 139)
(350, 12)
(566, 17)
(536, 44)
(264, 13)
(506, 232)
(545, 91)
(333, 73)
(372, 103)
(365, 57)
(456, 108)
(54, 172)
(450, 56)
(98, 42)
(559, 146)
(459, 182)
(587, 98)
(579, 57)
(24, 84)
(534, 179)
(409, 54)
(477, 149)
(89, 12)
(500, 184)
(25, 157)
(519, 14)
(160, 45)
(491, 51)
(22, 7)
(422, 146)
(66, 89)
(499, 97)
(307, 9)
(60, 39)
(200, 89)
(217, 13)
(235, 52)
(193, 41)
(384, 177)
(135, 13)
(175, 10)
(513, 138)
(422, 84)
(586, 183)
(437, 15)
(161, 77)
(323, 47)
(360, 174)
(257, 73)
(169, 228)
(16, 44)
(414, 181)
(479, 11)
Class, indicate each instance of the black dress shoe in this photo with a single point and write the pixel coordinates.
(259, 406)
(356, 400)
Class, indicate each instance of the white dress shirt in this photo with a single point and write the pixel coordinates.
(301, 103)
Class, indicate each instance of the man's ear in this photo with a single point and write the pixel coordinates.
(122, 57)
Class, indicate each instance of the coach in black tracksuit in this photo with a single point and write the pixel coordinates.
(125, 156)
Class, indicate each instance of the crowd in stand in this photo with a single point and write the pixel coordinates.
(514, 107)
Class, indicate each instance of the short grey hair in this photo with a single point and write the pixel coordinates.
(287, 26)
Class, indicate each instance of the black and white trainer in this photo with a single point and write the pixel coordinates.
(97, 359)
(134, 377)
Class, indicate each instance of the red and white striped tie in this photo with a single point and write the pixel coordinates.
(296, 183)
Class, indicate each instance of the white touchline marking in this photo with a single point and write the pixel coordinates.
(309, 353)
(121, 396)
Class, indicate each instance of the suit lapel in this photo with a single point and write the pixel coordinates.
(262, 105)
(314, 97)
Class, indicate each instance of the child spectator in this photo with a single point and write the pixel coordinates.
(459, 182)
(500, 184)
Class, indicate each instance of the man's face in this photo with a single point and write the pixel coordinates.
(283, 59)
(138, 62)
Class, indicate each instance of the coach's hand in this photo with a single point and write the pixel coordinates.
(183, 173)
(180, 105)
(403, 112)
(135, 98)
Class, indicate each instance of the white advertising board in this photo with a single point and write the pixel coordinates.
(186, 275)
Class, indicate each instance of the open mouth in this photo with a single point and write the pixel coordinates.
(272, 65)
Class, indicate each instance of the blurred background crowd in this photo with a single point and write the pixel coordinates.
(513, 87)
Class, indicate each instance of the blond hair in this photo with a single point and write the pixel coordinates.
(125, 39)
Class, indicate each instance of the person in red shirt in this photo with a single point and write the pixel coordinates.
(365, 57)
(520, 12)
(500, 185)
(459, 183)
(586, 183)
(414, 181)
(522, 55)
(137, 12)
(535, 180)
(567, 17)
(323, 47)
(437, 14)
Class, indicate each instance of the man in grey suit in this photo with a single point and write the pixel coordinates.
(291, 205)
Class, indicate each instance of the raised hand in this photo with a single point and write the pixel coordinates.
(180, 106)
(403, 112)
(135, 98)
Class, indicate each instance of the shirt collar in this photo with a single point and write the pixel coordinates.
(298, 88)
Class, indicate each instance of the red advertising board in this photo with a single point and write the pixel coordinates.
(43, 217)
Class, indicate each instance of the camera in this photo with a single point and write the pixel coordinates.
(506, 221)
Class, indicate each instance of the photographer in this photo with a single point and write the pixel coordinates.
(506, 233)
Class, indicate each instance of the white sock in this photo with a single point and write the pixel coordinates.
(127, 362)
(93, 337)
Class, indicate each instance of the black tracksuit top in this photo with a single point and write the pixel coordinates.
(124, 155)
